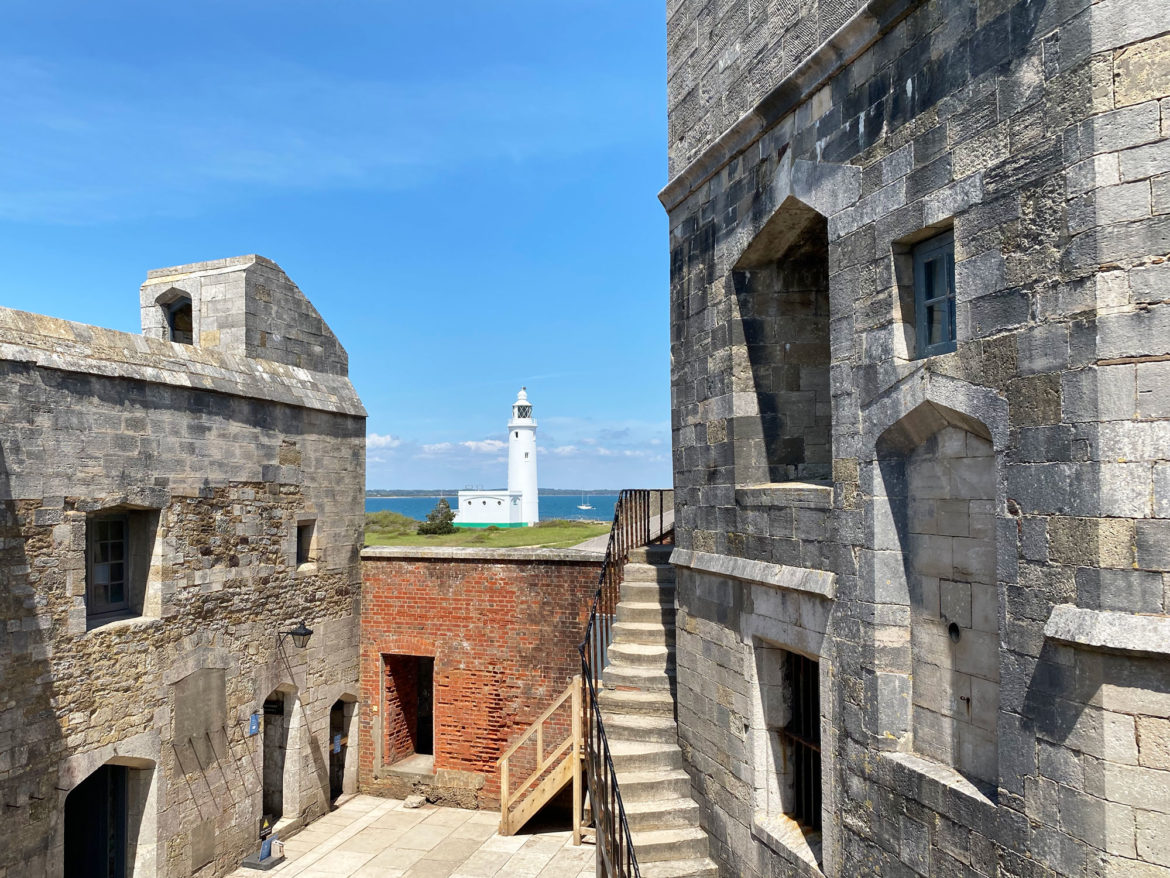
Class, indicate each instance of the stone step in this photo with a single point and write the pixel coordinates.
(692, 868)
(643, 612)
(640, 727)
(643, 756)
(650, 554)
(656, 845)
(619, 702)
(653, 633)
(673, 813)
(636, 572)
(647, 592)
(634, 677)
(639, 786)
(641, 655)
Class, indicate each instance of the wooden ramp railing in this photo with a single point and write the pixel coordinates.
(552, 770)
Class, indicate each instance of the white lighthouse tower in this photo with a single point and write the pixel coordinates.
(518, 505)
(522, 457)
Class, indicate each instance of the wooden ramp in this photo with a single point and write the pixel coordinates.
(550, 771)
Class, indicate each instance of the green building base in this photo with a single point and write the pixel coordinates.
(488, 524)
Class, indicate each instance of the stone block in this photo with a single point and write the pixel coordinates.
(1153, 835)
(1131, 441)
(1042, 349)
(1153, 545)
(1153, 394)
(1138, 164)
(1153, 736)
(1035, 400)
(1141, 72)
(1142, 333)
(1150, 283)
(1093, 173)
(1104, 393)
(1160, 192)
(1124, 490)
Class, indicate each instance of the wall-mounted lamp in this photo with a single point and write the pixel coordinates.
(300, 635)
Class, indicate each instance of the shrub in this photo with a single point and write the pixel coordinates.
(390, 523)
(440, 520)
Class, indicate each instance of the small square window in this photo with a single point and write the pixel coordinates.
(305, 542)
(934, 295)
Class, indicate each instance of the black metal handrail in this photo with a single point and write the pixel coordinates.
(634, 525)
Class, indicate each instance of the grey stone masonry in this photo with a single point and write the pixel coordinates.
(167, 510)
(952, 543)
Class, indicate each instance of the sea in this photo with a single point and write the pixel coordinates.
(551, 506)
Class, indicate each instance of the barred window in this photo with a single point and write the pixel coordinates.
(800, 739)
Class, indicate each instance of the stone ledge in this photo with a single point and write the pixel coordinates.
(784, 836)
(818, 582)
(64, 346)
(942, 777)
(1109, 630)
(806, 494)
(473, 553)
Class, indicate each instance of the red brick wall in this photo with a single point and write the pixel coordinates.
(503, 626)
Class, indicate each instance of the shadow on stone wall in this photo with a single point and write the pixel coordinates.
(31, 742)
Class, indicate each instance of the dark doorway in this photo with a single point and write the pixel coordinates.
(275, 745)
(424, 739)
(95, 825)
(410, 708)
(339, 720)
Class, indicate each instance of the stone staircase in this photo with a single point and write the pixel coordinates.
(637, 707)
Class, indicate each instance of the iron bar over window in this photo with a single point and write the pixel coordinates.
(801, 738)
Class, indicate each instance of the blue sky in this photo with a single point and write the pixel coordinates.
(466, 191)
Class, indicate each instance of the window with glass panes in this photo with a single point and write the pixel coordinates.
(108, 581)
(934, 295)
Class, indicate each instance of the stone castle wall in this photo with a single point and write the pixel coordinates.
(502, 626)
(1038, 134)
(214, 460)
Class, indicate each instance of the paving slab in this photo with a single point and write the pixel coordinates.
(372, 837)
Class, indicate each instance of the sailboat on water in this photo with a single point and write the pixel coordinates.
(584, 504)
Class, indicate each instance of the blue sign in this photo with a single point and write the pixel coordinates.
(337, 743)
(254, 724)
(266, 847)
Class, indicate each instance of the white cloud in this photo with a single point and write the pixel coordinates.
(438, 448)
(378, 440)
(485, 446)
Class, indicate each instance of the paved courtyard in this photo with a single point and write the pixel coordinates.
(370, 837)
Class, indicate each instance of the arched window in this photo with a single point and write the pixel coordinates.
(180, 322)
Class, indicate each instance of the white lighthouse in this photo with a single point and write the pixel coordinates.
(522, 457)
(518, 505)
